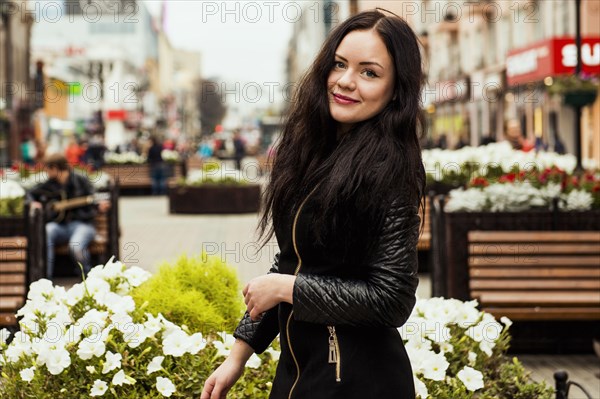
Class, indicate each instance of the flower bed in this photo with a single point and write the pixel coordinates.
(94, 340)
(458, 167)
(516, 192)
(99, 339)
(214, 190)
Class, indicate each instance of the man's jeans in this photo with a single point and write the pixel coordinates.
(77, 234)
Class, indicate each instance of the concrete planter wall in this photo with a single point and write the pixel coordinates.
(214, 199)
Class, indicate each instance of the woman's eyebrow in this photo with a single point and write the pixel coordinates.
(361, 63)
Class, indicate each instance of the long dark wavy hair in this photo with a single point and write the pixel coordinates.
(375, 162)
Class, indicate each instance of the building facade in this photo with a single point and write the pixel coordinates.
(16, 106)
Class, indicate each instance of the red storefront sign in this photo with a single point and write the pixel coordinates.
(557, 56)
(116, 115)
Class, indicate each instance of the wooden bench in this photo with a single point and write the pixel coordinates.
(424, 243)
(106, 241)
(13, 277)
(138, 176)
(536, 275)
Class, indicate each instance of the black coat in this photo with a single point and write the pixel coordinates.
(364, 303)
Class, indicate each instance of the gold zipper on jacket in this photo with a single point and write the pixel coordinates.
(287, 326)
(334, 352)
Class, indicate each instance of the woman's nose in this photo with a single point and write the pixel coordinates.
(346, 81)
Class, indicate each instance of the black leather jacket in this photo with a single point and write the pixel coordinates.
(383, 297)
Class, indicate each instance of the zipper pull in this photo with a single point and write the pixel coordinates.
(333, 355)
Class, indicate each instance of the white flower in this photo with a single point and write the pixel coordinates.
(120, 378)
(165, 386)
(196, 343)
(435, 366)
(90, 348)
(254, 361)
(4, 334)
(224, 347)
(57, 360)
(506, 321)
(99, 388)
(27, 374)
(155, 365)
(420, 388)
(113, 361)
(136, 276)
(91, 369)
(176, 343)
(576, 200)
(274, 353)
(472, 358)
(472, 378)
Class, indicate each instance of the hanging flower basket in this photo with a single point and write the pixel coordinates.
(579, 98)
(577, 91)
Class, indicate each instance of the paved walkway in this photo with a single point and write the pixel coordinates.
(150, 236)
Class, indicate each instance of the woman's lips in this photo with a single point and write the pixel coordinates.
(338, 98)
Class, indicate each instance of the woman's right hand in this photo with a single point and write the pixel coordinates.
(222, 379)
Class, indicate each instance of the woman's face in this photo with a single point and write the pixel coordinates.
(361, 82)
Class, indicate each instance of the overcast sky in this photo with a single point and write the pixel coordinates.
(243, 51)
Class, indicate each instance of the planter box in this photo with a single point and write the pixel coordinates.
(215, 199)
(12, 226)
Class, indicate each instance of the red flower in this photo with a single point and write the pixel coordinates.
(479, 182)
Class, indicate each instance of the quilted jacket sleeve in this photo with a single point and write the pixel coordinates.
(260, 334)
(385, 297)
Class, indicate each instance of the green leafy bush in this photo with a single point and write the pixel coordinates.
(200, 292)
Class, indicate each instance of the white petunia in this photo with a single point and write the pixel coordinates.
(176, 343)
(435, 366)
(99, 388)
(196, 343)
(165, 386)
(472, 357)
(90, 348)
(254, 361)
(91, 369)
(57, 361)
(155, 365)
(27, 374)
(420, 388)
(472, 378)
(4, 334)
(113, 361)
(274, 353)
(224, 346)
(120, 378)
(506, 321)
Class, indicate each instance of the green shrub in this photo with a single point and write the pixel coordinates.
(201, 292)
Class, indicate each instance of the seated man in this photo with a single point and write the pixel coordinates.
(75, 226)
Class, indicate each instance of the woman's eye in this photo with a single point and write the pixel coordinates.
(370, 73)
(339, 64)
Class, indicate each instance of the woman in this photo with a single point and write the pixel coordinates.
(344, 193)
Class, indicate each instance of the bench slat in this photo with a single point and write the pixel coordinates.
(13, 242)
(534, 284)
(12, 290)
(10, 303)
(555, 272)
(546, 313)
(7, 279)
(13, 267)
(534, 248)
(8, 319)
(551, 298)
(12, 255)
(533, 236)
(531, 260)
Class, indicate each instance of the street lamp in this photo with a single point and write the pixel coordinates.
(577, 108)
